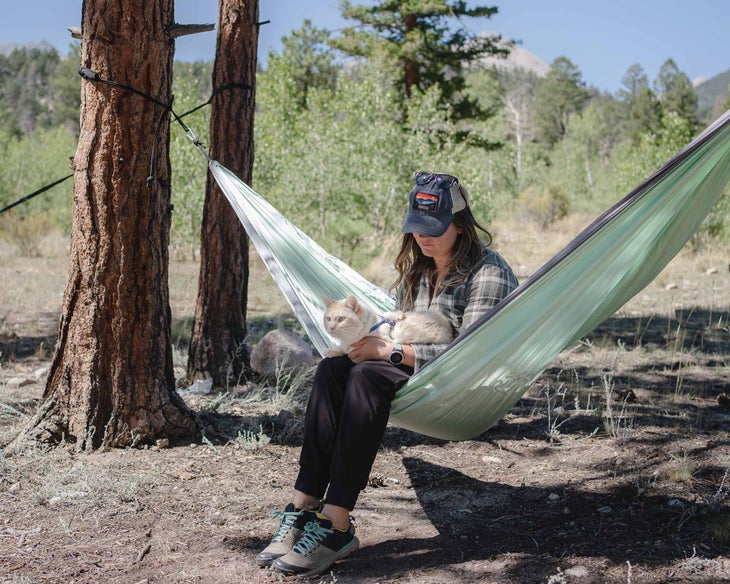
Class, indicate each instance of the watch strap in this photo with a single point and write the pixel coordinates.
(396, 355)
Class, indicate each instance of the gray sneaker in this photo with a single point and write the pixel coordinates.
(318, 548)
(291, 528)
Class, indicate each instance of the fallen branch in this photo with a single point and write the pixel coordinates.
(143, 552)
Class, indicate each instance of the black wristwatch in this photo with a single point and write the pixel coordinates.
(396, 355)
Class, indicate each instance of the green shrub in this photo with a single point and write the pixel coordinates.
(25, 231)
(546, 206)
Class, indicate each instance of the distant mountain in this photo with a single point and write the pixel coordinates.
(519, 58)
(41, 45)
(710, 91)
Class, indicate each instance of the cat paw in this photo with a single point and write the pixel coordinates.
(334, 352)
(398, 315)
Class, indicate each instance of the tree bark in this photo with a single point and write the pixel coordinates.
(217, 346)
(111, 382)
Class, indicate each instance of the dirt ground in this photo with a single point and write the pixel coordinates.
(613, 467)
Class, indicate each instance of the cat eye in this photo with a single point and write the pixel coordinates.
(443, 181)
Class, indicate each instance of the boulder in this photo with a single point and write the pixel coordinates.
(280, 349)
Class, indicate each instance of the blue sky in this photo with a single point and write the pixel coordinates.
(602, 38)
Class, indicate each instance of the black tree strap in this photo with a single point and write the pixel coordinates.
(35, 194)
(91, 75)
(221, 89)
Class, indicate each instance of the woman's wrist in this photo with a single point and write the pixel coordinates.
(407, 352)
(409, 355)
(395, 355)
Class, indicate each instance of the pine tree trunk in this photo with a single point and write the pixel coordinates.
(217, 346)
(111, 382)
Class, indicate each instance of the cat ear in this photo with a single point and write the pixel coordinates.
(352, 303)
(327, 301)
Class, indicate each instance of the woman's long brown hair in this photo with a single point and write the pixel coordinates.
(411, 264)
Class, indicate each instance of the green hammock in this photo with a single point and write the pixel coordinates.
(482, 374)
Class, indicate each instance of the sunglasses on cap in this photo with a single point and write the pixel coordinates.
(444, 181)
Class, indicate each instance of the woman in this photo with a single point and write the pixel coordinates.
(442, 265)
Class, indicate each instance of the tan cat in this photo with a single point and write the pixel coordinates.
(348, 321)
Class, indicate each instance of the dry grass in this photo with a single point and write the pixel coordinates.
(613, 463)
(719, 527)
(524, 244)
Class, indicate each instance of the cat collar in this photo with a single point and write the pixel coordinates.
(381, 322)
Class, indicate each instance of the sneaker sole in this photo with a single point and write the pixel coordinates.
(348, 549)
(264, 559)
(267, 561)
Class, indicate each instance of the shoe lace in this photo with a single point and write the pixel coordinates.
(287, 519)
(313, 534)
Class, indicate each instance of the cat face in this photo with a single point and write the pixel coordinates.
(342, 318)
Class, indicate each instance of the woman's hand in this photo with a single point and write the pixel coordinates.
(370, 348)
(377, 349)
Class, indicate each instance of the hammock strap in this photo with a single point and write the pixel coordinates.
(35, 194)
(91, 75)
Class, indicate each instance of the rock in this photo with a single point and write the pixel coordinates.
(17, 382)
(67, 496)
(199, 387)
(577, 572)
(280, 349)
(493, 459)
(626, 395)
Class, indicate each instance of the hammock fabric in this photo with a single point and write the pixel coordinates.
(468, 387)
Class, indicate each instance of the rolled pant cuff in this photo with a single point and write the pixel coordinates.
(310, 486)
(342, 495)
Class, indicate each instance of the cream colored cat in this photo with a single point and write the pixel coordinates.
(348, 321)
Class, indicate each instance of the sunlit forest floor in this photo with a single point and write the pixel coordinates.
(613, 467)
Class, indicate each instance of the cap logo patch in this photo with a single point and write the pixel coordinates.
(425, 202)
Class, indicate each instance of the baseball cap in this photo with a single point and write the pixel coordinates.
(432, 203)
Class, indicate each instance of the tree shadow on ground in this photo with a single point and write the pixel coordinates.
(16, 348)
(532, 530)
(693, 329)
(661, 376)
(479, 520)
(693, 336)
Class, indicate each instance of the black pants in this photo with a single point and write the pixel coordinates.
(346, 417)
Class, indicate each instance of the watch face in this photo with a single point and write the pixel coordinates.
(396, 357)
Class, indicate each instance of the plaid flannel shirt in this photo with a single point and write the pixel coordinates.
(490, 280)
